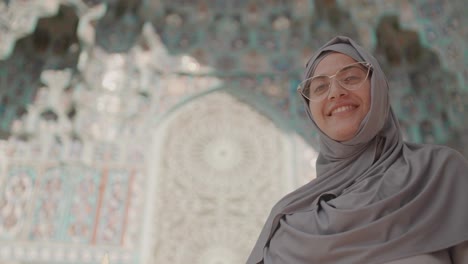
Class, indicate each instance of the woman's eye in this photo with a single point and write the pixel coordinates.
(320, 89)
(351, 79)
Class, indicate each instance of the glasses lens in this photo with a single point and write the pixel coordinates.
(352, 77)
(316, 87)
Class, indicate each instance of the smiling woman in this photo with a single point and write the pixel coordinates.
(376, 198)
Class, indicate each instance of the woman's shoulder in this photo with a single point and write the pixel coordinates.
(435, 151)
(435, 160)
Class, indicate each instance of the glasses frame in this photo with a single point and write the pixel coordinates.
(367, 65)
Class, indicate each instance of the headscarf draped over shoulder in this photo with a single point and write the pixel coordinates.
(376, 198)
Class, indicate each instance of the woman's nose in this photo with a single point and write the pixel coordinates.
(336, 90)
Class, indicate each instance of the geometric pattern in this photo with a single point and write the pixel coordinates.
(45, 206)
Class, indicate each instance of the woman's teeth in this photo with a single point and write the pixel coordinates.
(342, 109)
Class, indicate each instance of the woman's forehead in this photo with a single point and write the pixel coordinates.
(332, 62)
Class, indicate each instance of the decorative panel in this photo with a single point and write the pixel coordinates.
(221, 166)
(15, 201)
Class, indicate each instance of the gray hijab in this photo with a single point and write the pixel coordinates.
(376, 197)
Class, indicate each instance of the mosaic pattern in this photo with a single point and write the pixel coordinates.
(59, 205)
(16, 194)
(14, 100)
(115, 203)
(18, 18)
(50, 205)
(52, 45)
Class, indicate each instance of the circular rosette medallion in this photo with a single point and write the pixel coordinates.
(222, 166)
(219, 144)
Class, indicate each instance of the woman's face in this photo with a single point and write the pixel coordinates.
(340, 113)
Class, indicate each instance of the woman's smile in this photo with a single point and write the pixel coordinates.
(342, 109)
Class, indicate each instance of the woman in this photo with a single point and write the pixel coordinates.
(376, 199)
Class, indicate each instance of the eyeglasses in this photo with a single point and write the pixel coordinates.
(350, 77)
